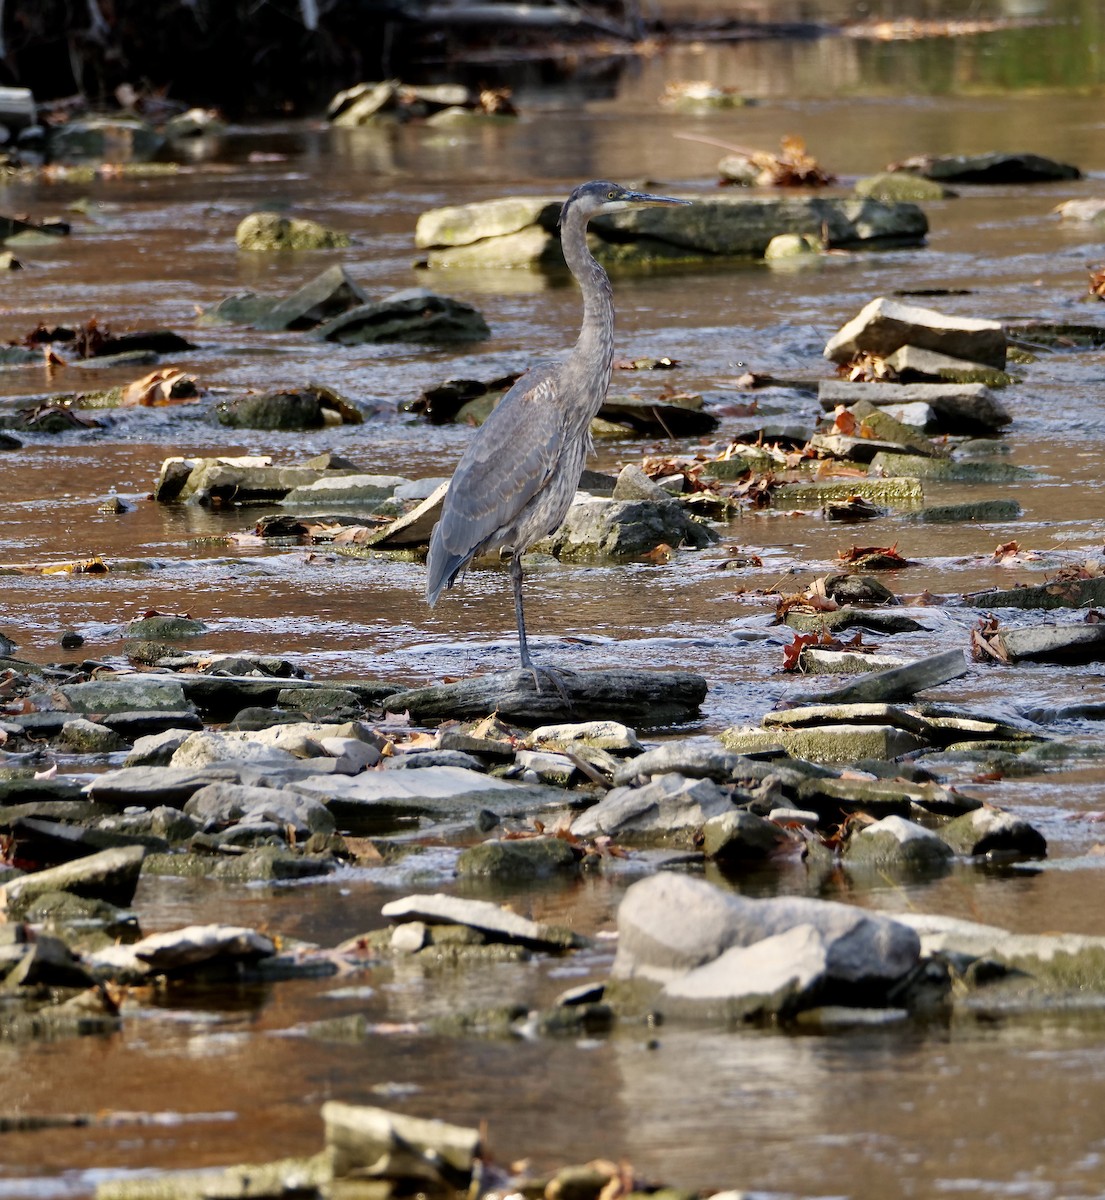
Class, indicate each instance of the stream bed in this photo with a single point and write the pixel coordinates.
(1011, 1107)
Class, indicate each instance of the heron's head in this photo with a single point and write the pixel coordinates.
(602, 196)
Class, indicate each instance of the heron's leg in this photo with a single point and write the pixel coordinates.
(523, 647)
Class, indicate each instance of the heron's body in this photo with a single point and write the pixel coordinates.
(515, 482)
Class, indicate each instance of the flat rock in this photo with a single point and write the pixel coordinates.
(882, 424)
(815, 661)
(950, 470)
(957, 407)
(1073, 593)
(667, 809)
(777, 975)
(897, 683)
(367, 490)
(990, 168)
(990, 512)
(612, 736)
(136, 725)
(834, 799)
(156, 749)
(110, 875)
(972, 939)
(413, 528)
(912, 364)
(828, 743)
(655, 418)
(904, 492)
(881, 620)
(220, 697)
(885, 325)
(1080, 643)
(180, 951)
(270, 232)
(81, 736)
(901, 185)
(231, 480)
(495, 922)
(131, 693)
(636, 697)
(440, 791)
(814, 715)
(154, 786)
(689, 759)
(520, 231)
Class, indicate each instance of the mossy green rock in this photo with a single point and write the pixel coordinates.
(896, 842)
(87, 737)
(525, 858)
(169, 628)
(899, 466)
(130, 693)
(304, 1177)
(899, 185)
(269, 232)
(828, 743)
(904, 491)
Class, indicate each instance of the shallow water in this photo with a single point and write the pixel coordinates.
(1010, 1108)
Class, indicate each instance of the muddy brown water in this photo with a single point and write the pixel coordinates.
(1010, 1108)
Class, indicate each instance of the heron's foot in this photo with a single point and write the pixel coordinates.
(554, 677)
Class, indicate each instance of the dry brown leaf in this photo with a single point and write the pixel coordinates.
(164, 386)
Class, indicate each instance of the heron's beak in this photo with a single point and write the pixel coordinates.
(648, 198)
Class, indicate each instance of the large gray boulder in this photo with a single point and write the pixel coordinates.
(219, 804)
(895, 842)
(671, 924)
(598, 528)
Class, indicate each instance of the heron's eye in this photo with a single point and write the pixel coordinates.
(611, 195)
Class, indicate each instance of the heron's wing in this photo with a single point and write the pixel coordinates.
(506, 464)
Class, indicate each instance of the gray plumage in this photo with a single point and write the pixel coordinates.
(515, 482)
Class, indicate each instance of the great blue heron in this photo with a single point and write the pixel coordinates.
(515, 482)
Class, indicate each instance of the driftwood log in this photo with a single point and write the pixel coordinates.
(640, 698)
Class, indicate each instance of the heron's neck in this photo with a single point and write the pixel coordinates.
(594, 348)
